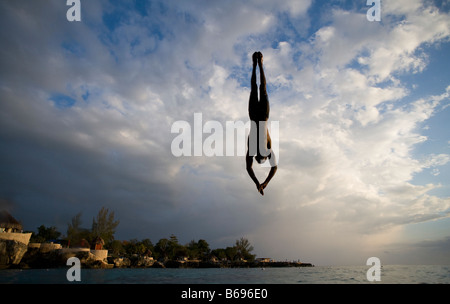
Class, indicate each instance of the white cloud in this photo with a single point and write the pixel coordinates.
(355, 137)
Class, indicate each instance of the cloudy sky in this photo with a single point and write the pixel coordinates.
(86, 111)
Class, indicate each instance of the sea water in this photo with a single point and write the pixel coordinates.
(390, 274)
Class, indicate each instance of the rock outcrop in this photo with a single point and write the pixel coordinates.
(11, 252)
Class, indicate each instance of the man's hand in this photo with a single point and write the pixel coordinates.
(260, 188)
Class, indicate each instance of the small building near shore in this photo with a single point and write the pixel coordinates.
(98, 243)
(8, 223)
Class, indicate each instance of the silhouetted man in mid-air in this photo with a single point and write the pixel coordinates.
(259, 143)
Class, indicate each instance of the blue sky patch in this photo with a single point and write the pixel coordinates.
(62, 101)
(74, 48)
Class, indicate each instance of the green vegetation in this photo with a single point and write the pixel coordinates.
(103, 226)
(45, 234)
(166, 249)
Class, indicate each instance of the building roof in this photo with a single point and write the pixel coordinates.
(8, 221)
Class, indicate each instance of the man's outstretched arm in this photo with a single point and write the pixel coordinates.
(273, 170)
(249, 164)
(271, 174)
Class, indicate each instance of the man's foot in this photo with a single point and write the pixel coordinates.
(260, 58)
(255, 57)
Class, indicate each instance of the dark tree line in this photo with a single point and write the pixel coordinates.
(171, 249)
(104, 226)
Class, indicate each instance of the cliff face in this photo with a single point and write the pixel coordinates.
(11, 252)
(51, 256)
(13, 246)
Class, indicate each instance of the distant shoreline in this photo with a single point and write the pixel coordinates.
(231, 264)
(35, 259)
(46, 264)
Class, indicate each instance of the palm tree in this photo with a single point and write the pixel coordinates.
(244, 248)
(104, 225)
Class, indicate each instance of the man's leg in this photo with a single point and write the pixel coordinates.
(253, 111)
(264, 98)
(253, 101)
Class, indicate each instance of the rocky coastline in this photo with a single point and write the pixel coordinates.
(11, 252)
(19, 250)
(144, 262)
(17, 255)
(37, 259)
(13, 246)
